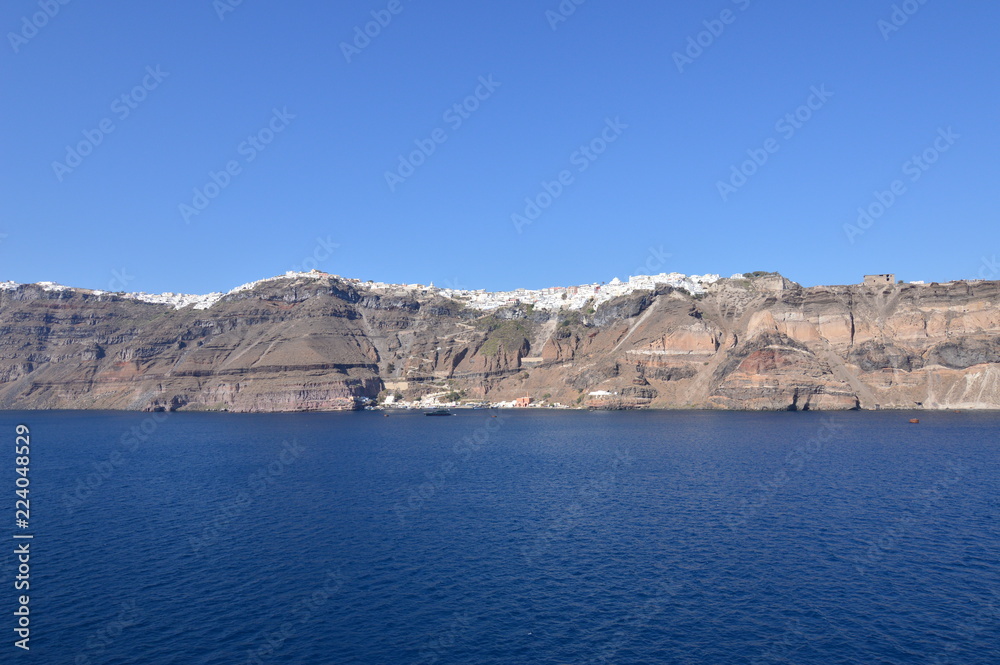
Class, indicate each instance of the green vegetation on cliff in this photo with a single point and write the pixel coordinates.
(507, 334)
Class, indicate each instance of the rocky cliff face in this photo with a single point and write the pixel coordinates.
(323, 343)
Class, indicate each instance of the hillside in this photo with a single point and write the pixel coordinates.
(319, 342)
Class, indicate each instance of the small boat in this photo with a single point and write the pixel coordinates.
(439, 412)
(914, 421)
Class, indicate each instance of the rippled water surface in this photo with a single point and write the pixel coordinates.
(531, 537)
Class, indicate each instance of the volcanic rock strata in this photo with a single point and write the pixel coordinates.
(325, 343)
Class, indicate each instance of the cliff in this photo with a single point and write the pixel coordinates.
(321, 343)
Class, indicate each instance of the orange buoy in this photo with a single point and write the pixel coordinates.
(914, 421)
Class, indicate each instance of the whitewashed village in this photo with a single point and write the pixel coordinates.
(557, 297)
(553, 298)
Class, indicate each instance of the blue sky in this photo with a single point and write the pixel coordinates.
(621, 143)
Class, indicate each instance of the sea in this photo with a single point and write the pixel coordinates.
(507, 537)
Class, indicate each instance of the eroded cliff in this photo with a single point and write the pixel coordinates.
(324, 343)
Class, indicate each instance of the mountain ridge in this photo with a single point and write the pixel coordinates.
(312, 341)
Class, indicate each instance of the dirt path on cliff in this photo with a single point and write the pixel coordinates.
(545, 333)
(635, 327)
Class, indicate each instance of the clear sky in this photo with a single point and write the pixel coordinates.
(612, 119)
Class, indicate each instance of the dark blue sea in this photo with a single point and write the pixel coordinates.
(508, 537)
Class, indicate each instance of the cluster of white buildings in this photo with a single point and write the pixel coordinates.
(554, 298)
(577, 297)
